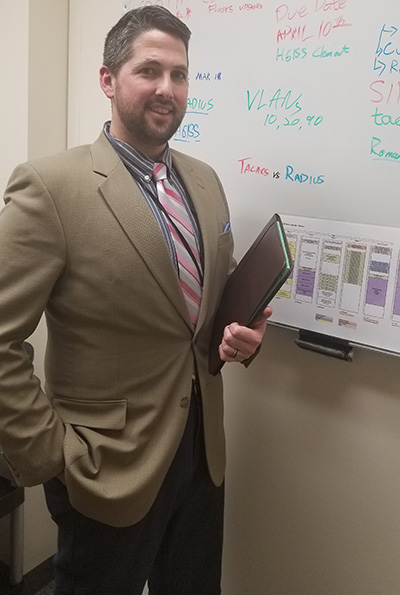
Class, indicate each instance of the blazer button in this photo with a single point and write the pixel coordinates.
(185, 402)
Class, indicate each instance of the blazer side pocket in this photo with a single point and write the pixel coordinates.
(102, 415)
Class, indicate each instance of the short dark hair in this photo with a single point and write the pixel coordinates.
(118, 43)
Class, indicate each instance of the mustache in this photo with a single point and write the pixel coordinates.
(161, 103)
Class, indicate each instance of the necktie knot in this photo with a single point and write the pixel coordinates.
(159, 171)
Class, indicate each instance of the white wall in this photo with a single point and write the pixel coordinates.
(34, 43)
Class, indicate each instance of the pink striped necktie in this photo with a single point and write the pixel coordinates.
(184, 240)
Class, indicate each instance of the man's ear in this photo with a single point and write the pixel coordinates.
(107, 80)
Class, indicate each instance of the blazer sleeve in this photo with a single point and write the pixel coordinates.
(32, 256)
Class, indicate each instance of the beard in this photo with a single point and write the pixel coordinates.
(137, 121)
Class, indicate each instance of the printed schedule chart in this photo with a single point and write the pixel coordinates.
(345, 282)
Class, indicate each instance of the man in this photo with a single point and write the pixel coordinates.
(128, 437)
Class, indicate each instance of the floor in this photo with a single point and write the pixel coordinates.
(33, 582)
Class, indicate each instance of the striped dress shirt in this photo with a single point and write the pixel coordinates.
(140, 167)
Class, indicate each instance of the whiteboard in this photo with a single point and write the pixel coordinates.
(345, 282)
(296, 105)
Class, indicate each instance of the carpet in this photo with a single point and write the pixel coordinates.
(47, 590)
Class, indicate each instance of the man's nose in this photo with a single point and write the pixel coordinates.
(164, 87)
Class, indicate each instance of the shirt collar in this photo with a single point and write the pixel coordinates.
(138, 163)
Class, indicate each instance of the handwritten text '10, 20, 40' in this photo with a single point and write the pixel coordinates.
(281, 110)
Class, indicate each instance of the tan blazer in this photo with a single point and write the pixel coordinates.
(78, 241)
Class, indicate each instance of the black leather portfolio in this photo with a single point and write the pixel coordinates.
(255, 281)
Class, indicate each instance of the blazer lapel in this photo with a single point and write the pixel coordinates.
(137, 221)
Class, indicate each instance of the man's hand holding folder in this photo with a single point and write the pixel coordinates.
(239, 342)
(239, 324)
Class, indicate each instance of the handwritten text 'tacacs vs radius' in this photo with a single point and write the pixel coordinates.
(247, 166)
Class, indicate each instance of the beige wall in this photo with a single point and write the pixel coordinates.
(47, 133)
(14, 97)
(34, 41)
(313, 479)
(14, 107)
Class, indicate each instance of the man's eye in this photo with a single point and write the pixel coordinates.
(148, 71)
(180, 75)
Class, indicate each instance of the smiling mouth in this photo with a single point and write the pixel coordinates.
(163, 110)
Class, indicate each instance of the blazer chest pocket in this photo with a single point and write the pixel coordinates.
(102, 414)
(225, 238)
